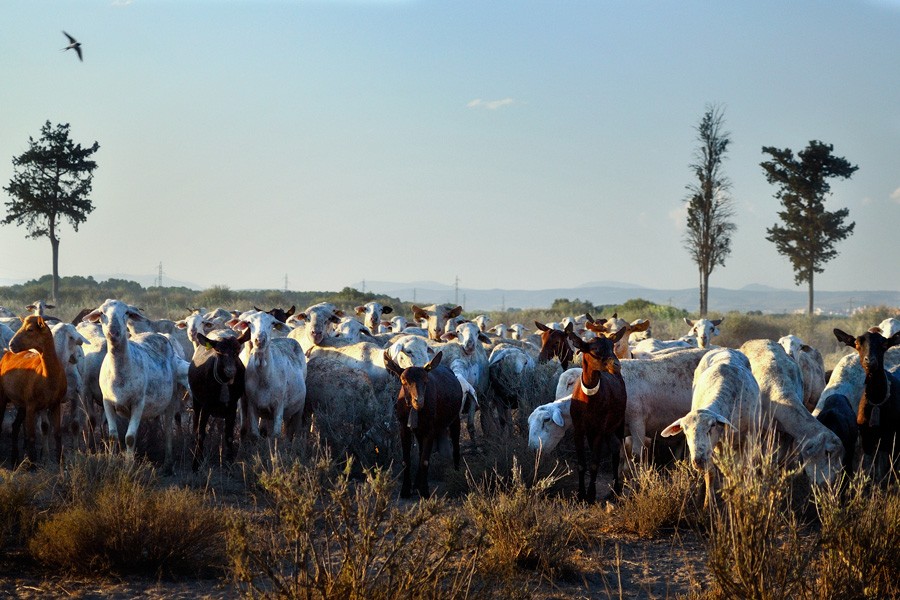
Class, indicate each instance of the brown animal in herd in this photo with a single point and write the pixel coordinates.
(598, 409)
(32, 379)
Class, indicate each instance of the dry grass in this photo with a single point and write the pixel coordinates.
(113, 519)
(20, 498)
(658, 499)
(328, 536)
(860, 541)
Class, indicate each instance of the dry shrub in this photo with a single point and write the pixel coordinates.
(122, 523)
(656, 499)
(756, 549)
(860, 540)
(19, 496)
(348, 417)
(328, 536)
(524, 527)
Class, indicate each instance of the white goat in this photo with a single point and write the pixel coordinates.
(703, 330)
(812, 368)
(725, 395)
(137, 376)
(781, 399)
(371, 313)
(275, 376)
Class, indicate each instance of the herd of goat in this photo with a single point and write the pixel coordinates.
(269, 370)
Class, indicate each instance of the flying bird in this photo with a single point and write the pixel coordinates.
(73, 45)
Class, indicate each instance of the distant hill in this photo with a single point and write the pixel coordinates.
(749, 298)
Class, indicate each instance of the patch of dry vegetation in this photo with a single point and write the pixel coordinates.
(113, 519)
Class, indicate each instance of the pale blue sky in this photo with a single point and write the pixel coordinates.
(516, 144)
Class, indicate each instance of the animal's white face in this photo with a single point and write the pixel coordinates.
(195, 324)
(260, 325)
(67, 341)
(702, 431)
(703, 330)
(791, 345)
(821, 456)
(411, 351)
(517, 331)
(321, 318)
(546, 427)
(467, 335)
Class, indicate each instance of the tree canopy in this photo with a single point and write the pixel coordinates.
(709, 203)
(809, 232)
(51, 182)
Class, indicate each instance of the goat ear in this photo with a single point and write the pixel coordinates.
(418, 313)
(29, 307)
(619, 334)
(386, 309)
(717, 322)
(640, 325)
(92, 317)
(892, 341)
(541, 326)
(51, 306)
(723, 421)
(291, 310)
(569, 327)
(204, 341)
(454, 312)
(576, 341)
(689, 322)
(181, 324)
(448, 336)
(245, 336)
(434, 362)
(673, 429)
(360, 310)
(557, 417)
(588, 318)
(303, 316)
(484, 339)
(339, 313)
(256, 308)
(389, 364)
(845, 338)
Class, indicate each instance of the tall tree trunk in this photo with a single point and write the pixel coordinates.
(810, 309)
(54, 243)
(704, 304)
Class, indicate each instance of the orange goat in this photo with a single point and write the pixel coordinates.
(33, 379)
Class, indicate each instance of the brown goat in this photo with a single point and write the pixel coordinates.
(555, 345)
(879, 409)
(32, 379)
(428, 403)
(598, 409)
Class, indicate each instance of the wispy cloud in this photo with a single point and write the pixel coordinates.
(895, 195)
(490, 104)
(678, 216)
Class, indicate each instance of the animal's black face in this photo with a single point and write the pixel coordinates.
(414, 381)
(601, 352)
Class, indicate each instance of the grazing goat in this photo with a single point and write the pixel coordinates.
(511, 369)
(555, 344)
(598, 409)
(137, 376)
(76, 411)
(32, 379)
(725, 397)
(878, 416)
(781, 399)
(428, 403)
(812, 368)
(216, 377)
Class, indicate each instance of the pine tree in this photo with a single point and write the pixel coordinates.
(809, 232)
(51, 182)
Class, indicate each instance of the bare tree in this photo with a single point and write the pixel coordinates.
(709, 203)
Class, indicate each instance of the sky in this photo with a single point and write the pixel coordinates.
(513, 144)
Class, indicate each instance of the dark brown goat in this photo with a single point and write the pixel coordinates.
(554, 344)
(216, 377)
(33, 379)
(879, 409)
(428, 403)
(598, 409)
